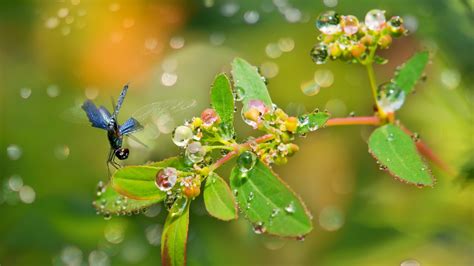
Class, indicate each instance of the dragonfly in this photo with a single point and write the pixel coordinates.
(101, 118)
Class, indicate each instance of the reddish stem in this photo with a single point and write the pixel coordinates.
(360, 120)
(238, 148)
(428, 153)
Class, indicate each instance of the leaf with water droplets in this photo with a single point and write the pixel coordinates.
(311, 122)
(218, 198)
(410, 72)
(269, 203)
(139, 182)
(112, 202)
(174, 239)
(249, 83)
(397, 153)
(222, 101)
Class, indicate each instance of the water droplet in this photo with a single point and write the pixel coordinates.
(51, 22)
(166, 178)
(319, 54)
(390, 137)
(27, 194)
(246, 161)
(14, 152)
(209, 116)
(328, 22)
(300, 238)
(286, 44)
(375, 19)
(273, 50)
(350, 25)
(290, 208)
(98, 258)
(310, 88)
(182, 135)
(63, 12)
(324, 77)
(410, 262)
(331, 218)
(239, 94)
(25, 93)
(251, 196)
(275, 212)
(179, 206)
(390, 97)
(153, 234)
(15, 183)
(62, 152)
(259, 228)
(251, 17)
(177, 42)
(71, 255)
(169, 79)
(195, 152)
(114, 232)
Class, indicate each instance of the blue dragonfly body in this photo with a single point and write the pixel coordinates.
(101, 118)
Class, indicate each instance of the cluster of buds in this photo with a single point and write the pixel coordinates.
(271, 120)
(345, 38)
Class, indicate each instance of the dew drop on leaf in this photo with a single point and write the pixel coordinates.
(246, 161)
(290, 208)
(259, 228)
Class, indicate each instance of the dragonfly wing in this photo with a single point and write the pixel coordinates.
(95, 115)
(130, 126)
(120, 100)
(137, 140)
(155, 111)
(105, 114)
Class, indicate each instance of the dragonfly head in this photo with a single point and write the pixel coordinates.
(122, 153)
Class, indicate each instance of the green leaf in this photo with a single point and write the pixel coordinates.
(311, 122)
(138, 182)
(249, 84)
(396, 150)
(269, 204)
(222, 101)
(218, 198)
(410, 72)
(174, 238)
(111, 202)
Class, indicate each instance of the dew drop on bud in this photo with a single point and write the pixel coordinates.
(259, 228)
(328, 22)
(195, 152)
(390, 97)
(182, 135)
(375, 19)
(319, 54)
(209, 117)
(246, 161)
(350, 25)
(166, 178)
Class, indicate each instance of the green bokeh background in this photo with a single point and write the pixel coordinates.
(384, 222)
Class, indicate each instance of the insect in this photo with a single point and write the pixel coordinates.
(101, 118)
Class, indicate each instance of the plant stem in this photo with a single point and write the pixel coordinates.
(360, 120)
(238, 148)
(373, 86)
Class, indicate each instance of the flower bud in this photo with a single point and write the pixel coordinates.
(367, 40)
(357, 50)
(291, 124)
(385, 41)
(335, 50)
(197, 122)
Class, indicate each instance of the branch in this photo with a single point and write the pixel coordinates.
(360, 120)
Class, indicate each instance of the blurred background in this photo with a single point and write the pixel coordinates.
(56, 53)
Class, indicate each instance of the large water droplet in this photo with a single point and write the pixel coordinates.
(246, 161)
(328, 22)
(319, 54)
(209, 116)
(390, 97)
(182, 135)
(375, 19)
(166, 178)
(350, 25)
(195, 152)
